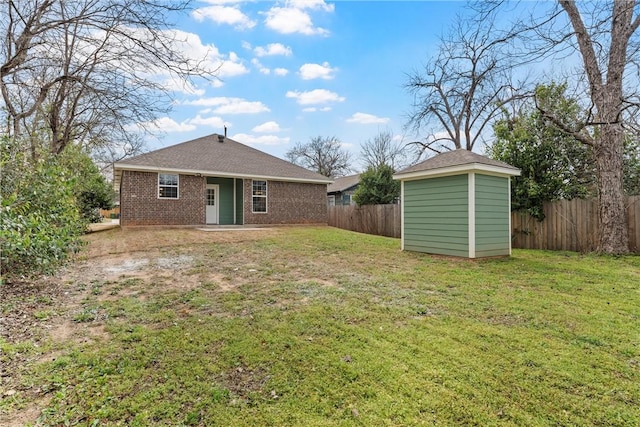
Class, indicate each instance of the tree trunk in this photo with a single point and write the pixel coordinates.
(613, 232)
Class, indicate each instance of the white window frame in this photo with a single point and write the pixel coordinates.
(331, 200)
(176, 186)
(265, 196)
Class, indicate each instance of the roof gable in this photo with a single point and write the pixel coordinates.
(220, 156)
(457, 161)
(343, 183)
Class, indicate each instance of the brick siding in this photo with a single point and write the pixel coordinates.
(288, 203)
(140, 205)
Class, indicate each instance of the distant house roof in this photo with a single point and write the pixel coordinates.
(216, 155)
(343, 183)
(456, 161)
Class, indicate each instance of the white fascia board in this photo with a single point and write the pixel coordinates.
(124, 166)
(456, 170)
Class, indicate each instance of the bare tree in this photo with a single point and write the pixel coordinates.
(323, 155)
(604, 35)
(85, 71)
(382, 150)
(462, 89)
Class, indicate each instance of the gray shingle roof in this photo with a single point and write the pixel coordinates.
(343, 183)
(207, 155)
(455, 158)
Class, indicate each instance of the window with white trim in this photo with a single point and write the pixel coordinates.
(167, 186)
(259, 194)
(331, 200)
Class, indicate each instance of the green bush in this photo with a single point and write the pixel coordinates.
(377, 187)
(40, 224)
(91, 189)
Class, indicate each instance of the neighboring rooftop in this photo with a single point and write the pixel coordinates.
(343, 183)
(458, 160)
(216, 155)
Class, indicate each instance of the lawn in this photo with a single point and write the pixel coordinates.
(318, 326)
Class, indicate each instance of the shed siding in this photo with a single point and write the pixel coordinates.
(435, 215)
(492, 215)
(225, 199)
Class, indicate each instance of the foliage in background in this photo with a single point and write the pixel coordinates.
(554, 164)
(377, 186)
(631, 166)
(40, 224)
(91, 189)
(324, 155)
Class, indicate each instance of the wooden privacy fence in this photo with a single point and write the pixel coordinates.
(570, 225)
(112, 213)
(382, 220)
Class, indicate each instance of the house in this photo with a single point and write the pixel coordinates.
(457, 203)
(216, 180)
(342, 190)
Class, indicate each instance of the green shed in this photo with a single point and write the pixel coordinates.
(457, 203)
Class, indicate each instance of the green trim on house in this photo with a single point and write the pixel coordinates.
(239, 202)
(225, 199)
(436, 215)
(492, 215)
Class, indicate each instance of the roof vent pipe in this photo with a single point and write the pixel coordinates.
(220, 138)
(225, 131)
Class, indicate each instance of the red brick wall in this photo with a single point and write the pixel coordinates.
(139, 203)
(288, 203)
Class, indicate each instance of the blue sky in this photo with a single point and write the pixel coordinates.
(290, 71)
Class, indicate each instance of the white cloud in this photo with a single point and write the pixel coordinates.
(164, 124)
(267, 127)
(246, 138)
(312, 4)
(225, 105)
(317, 71)
(367, 119)
(317, 96)
(214, 121)
(314, 109)
(244, 107)
(231, 67)
(224, 15)
(295, 19)
(182, 86)
(205, 56)
(272, 49)
(260, 67)
(280, 71)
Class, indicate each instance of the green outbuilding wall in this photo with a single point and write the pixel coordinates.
(436, 212)
(492, 233)
(457, 203)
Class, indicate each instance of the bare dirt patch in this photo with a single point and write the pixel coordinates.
(42, 313)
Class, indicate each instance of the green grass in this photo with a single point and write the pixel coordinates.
(324, 327)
